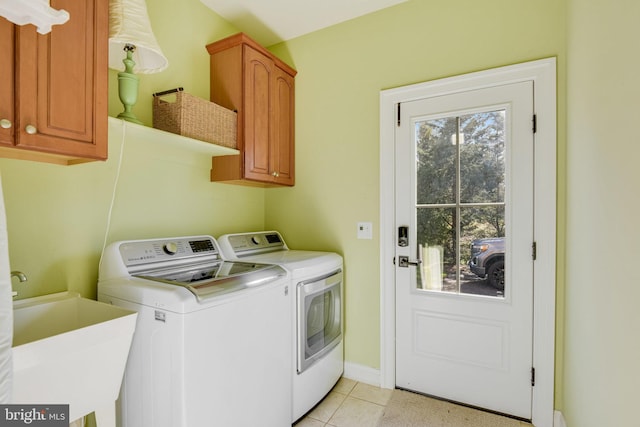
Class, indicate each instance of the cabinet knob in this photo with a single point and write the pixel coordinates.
(31, 129)
(275, 174)
(5, 124)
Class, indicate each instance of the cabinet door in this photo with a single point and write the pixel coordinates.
(7, 43)
(257, 118)
(62, 83)
(282, 128)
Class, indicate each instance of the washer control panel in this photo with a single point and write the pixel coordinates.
(160, 250)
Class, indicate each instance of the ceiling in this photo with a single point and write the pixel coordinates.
(273, 21)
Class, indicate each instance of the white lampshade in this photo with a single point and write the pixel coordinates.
(129, 24)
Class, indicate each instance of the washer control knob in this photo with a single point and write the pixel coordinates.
(170, 248)
(255, 240)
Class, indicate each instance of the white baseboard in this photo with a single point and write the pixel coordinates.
(558, 419)
(361, 373)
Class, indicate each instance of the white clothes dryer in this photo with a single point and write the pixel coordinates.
(212, 342)
(316, 310)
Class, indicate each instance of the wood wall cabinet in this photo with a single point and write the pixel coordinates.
(53, 87)
(247, 78)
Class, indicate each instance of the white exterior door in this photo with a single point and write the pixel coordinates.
(464, 203)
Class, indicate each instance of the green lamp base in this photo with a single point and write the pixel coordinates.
(128, 87)
(130, 117)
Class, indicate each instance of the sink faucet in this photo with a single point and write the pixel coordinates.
(21, 277)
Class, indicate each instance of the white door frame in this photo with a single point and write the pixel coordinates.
(543, 74)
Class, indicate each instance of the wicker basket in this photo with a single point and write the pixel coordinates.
(195, 117)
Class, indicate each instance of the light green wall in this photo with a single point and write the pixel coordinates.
(603, 178)
(57, 216)
(342, 70)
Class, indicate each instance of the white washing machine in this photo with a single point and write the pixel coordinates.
(316, 310)
(213, 338)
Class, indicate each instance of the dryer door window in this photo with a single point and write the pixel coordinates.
(319, 318)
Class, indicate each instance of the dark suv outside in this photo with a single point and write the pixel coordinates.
(487, 260)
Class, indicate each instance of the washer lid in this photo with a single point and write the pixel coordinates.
(212, 279)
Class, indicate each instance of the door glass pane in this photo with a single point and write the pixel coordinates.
(460, 203)
(437, 249)
(436, 161)
(482, 157)
(482, 249)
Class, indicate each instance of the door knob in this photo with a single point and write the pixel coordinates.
(5, 124)
(403, 261)
(31, 130)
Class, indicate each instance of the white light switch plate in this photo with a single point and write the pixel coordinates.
(365, 230)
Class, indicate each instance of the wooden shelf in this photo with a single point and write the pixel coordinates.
(161, 137)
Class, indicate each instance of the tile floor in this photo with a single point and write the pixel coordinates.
(355, 404)
(350, 403)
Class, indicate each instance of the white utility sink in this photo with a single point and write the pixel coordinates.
(70, 350)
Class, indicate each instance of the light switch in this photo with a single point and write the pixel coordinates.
(365, 230)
